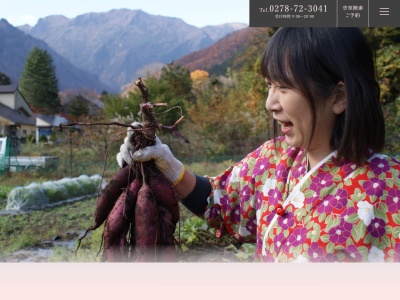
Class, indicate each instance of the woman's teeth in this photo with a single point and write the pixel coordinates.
(285, 124)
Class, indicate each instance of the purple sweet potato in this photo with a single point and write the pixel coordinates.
(166, 251)
(147, 229)
(117, 224)
(165, 194)
(120, 181)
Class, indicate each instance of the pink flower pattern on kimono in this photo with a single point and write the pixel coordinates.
(379, 165)
(377, 227)
(287, 221)
(274, 195)
(245, 194)
(353, 253)
(258, 196)
(278, 241)
(393, 200)
(295, 239)
(340, 233)
(235, 215)
(281, 171)
(225, 202)
(321, 181)
(348, 212)
(244, 170)
(261, 167)
(251, 225)
(396, 256)
(299, 170)
(374, 187)
(332, 202)
(317, 254)
(214, 212)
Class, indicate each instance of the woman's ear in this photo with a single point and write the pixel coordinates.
(340, 101)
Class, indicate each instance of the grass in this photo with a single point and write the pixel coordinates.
(4, 190)
(18, 231)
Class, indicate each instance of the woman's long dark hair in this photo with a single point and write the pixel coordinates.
(315, 60)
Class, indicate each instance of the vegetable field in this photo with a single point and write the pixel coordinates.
(51, 234)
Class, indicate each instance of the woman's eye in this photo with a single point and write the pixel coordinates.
(268, 85)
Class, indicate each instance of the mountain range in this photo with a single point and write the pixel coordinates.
(16, 45)
(220, 53)
(120, 45)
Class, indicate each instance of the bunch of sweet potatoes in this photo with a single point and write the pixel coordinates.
(139, 205)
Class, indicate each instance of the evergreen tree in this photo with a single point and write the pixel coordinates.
(39, 83)
(4, 79)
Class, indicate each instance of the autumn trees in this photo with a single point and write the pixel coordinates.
(173, 86)
(386, 44)
(225, 115)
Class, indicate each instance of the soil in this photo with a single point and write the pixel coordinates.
(44, 251)
(207, 253)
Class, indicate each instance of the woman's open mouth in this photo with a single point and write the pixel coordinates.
(285, 126)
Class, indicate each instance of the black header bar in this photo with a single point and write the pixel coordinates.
(324, 13)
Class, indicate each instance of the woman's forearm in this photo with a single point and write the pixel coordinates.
(186, 185)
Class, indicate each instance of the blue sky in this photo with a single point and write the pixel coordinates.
(198, 13)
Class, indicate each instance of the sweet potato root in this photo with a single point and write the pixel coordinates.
(167, 251)
(165, 194)
(120, 181)
(106, 201)
(117, 225)
(147, 230)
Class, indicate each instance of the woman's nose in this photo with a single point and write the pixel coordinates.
(272, 102)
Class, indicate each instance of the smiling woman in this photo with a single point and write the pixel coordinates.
(290, 109)
(321, 192)
(321, 85)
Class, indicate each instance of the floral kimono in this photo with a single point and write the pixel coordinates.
(330, 213)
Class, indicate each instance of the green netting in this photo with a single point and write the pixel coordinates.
(30, 196)
(73, 187)
(55, 191)
(40, 195)
(88, 183)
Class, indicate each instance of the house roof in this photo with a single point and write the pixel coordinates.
(16, 116)
(11, 88)
(97, 102)
(93, 101)
(53, 120)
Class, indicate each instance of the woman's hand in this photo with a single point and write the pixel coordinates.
(126, 149)
(163, 158)
(165, 161)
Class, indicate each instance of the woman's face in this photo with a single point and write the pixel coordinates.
(290, 108)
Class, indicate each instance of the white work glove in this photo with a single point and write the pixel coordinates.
(126, 149)
(163, 158)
